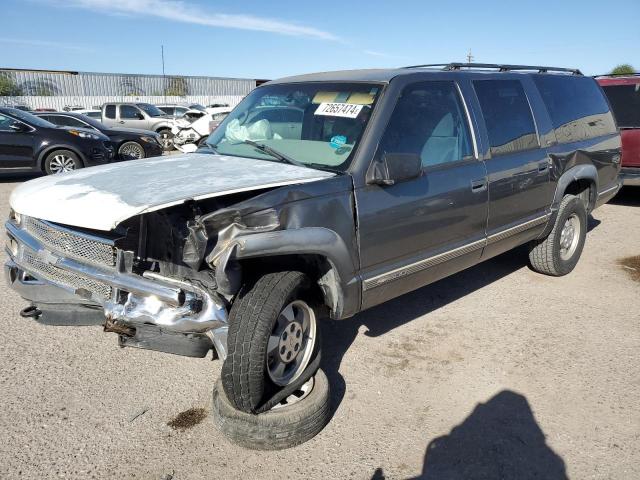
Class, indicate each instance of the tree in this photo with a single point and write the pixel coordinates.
(8, 87)
(178, 87)
(623, 69)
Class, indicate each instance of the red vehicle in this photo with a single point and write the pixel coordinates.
(623, 92)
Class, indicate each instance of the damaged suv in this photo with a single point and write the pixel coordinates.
(319, 195)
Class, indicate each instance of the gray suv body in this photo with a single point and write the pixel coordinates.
(321, 194)
(141, 116)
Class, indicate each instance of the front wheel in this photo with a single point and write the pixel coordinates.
(272, 338)
(61, 161)
(559, 252)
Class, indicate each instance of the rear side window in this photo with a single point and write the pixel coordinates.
(110, 111)
(507, 115)
(577, 107)
(625, 103)
(429, 121)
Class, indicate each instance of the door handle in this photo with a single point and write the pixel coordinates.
(478, 186)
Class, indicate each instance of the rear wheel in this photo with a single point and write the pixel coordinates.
(166, 139)
(559, 252)
(61, 161)
(131, 151)
(272, 339)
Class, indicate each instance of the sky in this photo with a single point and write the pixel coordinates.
(276, 38)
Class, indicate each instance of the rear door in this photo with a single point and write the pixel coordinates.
(415, 232)
(16, 147)
(518, 168)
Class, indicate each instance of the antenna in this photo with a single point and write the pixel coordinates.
(164, 78)
(470, 58)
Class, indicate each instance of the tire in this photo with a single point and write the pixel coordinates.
(131, 151)
(559, 252)
(270, 316)
(282, 427)
(60, 161)
(166, 139)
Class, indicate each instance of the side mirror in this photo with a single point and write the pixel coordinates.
(397, 167)
(139, 116)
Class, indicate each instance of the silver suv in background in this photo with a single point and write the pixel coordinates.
(140, 116)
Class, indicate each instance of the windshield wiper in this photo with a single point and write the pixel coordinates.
(274, 153)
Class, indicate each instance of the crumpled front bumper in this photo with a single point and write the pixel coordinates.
(60, 285)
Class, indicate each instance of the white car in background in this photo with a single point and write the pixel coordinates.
(187, 132)
(91, 113)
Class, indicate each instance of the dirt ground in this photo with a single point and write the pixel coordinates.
(496, 372)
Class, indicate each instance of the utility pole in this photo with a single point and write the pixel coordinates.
(469, 57)
(164, 78)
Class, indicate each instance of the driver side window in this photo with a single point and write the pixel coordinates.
(429, 121)
(128, 112)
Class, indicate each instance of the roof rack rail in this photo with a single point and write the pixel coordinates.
(498, 66)
(634, 74)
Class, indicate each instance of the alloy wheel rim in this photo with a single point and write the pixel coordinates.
(62, 163)
(569, 237)
(291, 343)
(132, 151)
(165, 140)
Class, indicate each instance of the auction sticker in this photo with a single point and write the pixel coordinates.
(346, 110)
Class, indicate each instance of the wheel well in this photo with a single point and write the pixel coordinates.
(159, 129)
(45, 153)
(583, 189)
(324, 281)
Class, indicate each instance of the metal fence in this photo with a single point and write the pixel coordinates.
(57, 89)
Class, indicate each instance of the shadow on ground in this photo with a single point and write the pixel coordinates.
(500, 439)
(628, 197)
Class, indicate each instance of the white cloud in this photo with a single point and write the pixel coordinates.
(45, 43)
(180, 11)
(375, 53)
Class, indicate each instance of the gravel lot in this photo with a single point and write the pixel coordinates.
(496, 372)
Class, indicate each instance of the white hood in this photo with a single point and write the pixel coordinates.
(102, 197)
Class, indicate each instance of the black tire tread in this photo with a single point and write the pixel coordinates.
(544, 254)
(243, 372)
(277, 429)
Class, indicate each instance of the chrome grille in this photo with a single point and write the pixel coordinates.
(77, 246)
(62, 277)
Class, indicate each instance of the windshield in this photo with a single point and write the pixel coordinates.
(31, 119)
(625, 103)
(197, 106)
(316, 124)
(151, 110)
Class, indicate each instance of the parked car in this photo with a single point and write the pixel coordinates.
(141, 116)
(623, 92)
(72, 108)
(31, 144)
(319, 195)
(129, 143)
(196, 131)
(174, 110)
(96, 114)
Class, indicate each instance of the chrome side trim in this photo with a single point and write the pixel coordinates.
(496, 237)
(610, 189)
(422, 265)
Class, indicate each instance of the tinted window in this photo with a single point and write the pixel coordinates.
(429, 121)
(167, 110)
(129, 112)
(625, 103)
(6, 122)
(31, 119)
(507, 116)
(110, 111)
(577, 108)
(66, 121)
